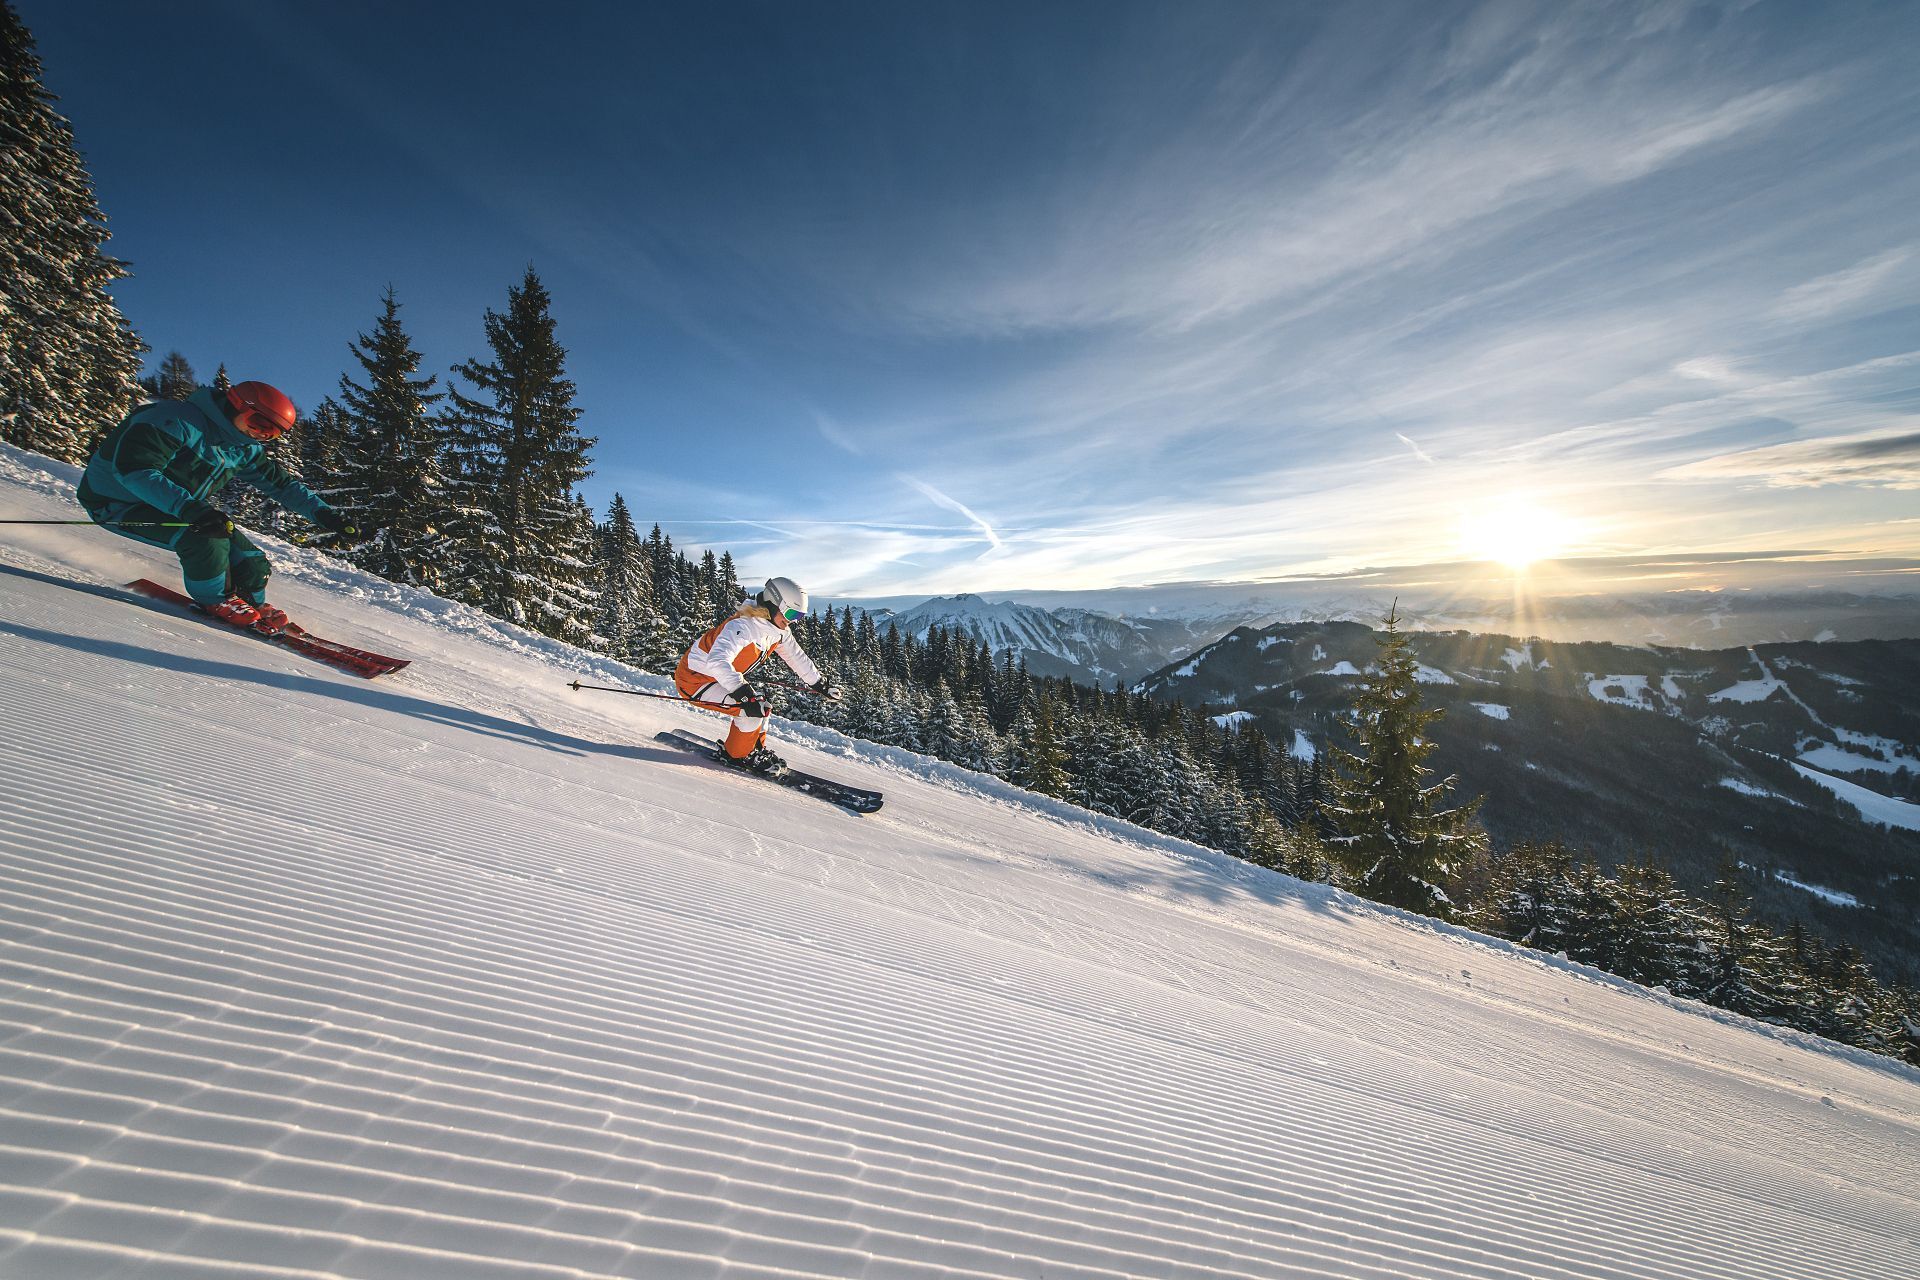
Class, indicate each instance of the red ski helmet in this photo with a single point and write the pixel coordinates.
(261, 411)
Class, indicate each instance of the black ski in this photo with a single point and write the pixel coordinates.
(856, 799)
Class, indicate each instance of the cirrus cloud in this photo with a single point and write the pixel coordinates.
(1890, 460)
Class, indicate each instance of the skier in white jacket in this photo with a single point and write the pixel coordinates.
(716, 667)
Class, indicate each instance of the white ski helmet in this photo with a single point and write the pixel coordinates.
(783, 598)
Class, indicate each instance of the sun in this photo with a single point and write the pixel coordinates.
(1515, 532)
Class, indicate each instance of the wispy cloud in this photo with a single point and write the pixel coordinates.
(935, 496)
(834, 434)
(1203, 232)
(1840, 290)
(1418, 452)
(1890, 461)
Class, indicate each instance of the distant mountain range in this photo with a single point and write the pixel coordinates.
(1118, 637)
(1077, 644)
(1801, 759)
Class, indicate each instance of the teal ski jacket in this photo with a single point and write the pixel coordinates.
(175, 455)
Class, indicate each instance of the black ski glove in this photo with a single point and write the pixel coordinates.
(332, 521)
(209, 522)
(752, 702)
(825, 690)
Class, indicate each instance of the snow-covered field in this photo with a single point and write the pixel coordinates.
(1872, 807)
(457, 974)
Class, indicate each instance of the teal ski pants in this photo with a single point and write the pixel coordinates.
(214, 568)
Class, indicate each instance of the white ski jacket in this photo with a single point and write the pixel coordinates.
(727, 652)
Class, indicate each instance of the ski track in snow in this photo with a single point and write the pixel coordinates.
(472, 980)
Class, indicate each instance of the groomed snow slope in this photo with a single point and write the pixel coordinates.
(456, 974)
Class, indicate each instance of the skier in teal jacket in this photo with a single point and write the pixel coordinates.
(166, 462)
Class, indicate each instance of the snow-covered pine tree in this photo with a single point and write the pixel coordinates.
(1395, 833)
(467, 517)
(701, 613)
(1742, 963)
(865, 713)
(942, 732)
(221, 382)
(624, 581)
(1012, 690)
(1656, 928)
(69, 363)
(1527, 900)
(391, 484)
(668, 590)
(912, 711)
(320, 439)
(893, 653)
(1184, 799)
(1043, 757)
(1594, 911)
(629, 621)
(1264, 842)
(573, 571)
(710, 579)
(521, 459)
(1856, 1008)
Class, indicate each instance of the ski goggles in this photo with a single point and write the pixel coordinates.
(261, 426)
(792, 615)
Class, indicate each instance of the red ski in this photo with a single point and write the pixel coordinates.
(359, 662)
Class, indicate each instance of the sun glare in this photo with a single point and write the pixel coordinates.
(1515, 533)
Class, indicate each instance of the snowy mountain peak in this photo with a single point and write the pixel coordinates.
(1089, 647)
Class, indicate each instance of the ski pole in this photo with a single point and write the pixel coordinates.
(125, 524)
(724, 709)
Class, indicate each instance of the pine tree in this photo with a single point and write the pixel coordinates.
(391, 483)
(221, 383)
(521, 457)
(175, 379)
(629, 622)
(867, 711)
(319, 440)
(1530, 895)
(1656, 928)
(1861, 1011)
(1395, 834)
(1742, 963)
(701, 613)
(1045, 758)
(69, 363)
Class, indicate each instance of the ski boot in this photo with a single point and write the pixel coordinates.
(759, 760)
(269, 621)
(236, 612)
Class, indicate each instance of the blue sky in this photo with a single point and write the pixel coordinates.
(932, 298)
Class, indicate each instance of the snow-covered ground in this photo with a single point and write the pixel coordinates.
(1872, 807)
(1751, 690)
(458, 974)
(1624, 691)
(1834, 896)
(1746, 788)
